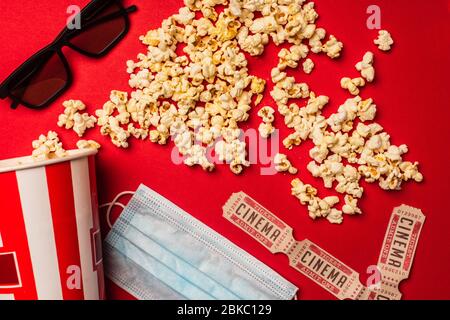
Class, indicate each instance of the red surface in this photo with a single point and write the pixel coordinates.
(411, 91)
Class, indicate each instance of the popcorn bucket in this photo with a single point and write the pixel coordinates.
(50, 244)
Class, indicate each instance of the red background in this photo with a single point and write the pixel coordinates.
(411, 91)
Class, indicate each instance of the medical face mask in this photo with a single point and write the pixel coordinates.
(156, 250)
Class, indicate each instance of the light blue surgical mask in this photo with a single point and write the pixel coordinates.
(156, 250)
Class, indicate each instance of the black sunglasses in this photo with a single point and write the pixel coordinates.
(46, 75)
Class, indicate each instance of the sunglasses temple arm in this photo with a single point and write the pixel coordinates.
(110, 16)
(131, 9)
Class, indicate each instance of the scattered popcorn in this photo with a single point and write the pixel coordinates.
(304, 192)
(384, 40)
(290, 58)
(332, 47)
(335, 216)
(199, 99)
(253, 44)
(282, 164)
(267, 114)
(72, 119)
(48, 147)
(331, 168)
(71, 107)
(277, 75)
(317, 207)
(352, 85)
(292, 140)
(232, 151)
(366, 67)
(315, 41)
(308, 66)
(82, 122)
(88, 144)
(266, 129)
(351, 205)
(197, 156)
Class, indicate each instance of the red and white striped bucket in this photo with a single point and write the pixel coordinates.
(50, 244)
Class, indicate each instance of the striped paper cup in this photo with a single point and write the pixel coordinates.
(50, 244)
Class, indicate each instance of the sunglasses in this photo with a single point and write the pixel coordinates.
(46, 75)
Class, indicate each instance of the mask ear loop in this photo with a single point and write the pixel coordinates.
(113, 203)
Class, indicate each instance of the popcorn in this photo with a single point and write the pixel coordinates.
(265, 24)
(352, 84)
(304, 192)
(82, 122)
(253, 44)
(335, 216)
(236, 166)
(343, 119)
(290, 58)
(70, 108)
(118, 97)
(315, 104)
(232, 151)
(72, 119)
(366, 110)
(351, 205)
(88, 144)
(291, 140)
(266, 113)
(184, 16)
(282, 164)
(200, 98)
(332, 47)
(348, 182)
(131, 66)
(315, 40)
(384, 40)
(196, 155)
(331, 168)
(319, 153)
(48, 146)
(308, 66)
(317, 207)
(409, 171)
(366, 67)
(277, 75)
(265, 129)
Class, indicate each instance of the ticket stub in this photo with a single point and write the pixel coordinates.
(397, 252)
(258, 222)
(306, 257)
(328, 272)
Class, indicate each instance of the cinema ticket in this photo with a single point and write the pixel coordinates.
(397, 252)
(320, 266)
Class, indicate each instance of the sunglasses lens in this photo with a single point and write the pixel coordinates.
(97, 39)
(41, 82)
